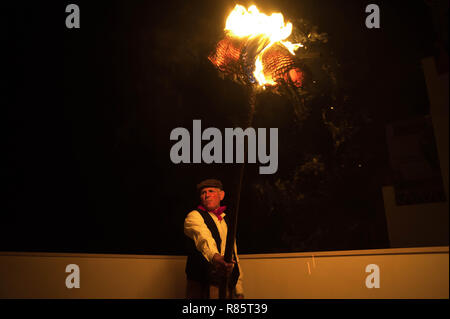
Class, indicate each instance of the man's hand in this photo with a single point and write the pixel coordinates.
(221, 265)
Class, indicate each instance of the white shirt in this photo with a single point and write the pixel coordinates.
(196, 229)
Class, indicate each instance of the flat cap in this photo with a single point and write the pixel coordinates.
(210, 183)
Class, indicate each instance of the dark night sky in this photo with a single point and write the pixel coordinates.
(89, 112)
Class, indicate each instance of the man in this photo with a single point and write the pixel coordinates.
(206, 228)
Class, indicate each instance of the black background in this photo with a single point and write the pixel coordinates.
(88, 114)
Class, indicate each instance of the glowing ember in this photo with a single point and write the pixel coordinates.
(266, 31)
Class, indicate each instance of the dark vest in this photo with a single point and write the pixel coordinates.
(197, 267)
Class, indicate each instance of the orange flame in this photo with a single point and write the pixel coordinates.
(251, 23)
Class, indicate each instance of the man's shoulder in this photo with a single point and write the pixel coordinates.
(198, 215)
(194, 214)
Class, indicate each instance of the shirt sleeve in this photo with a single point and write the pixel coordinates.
(239, 284)
(196, 229)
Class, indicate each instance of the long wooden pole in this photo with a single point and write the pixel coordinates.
(231, 235)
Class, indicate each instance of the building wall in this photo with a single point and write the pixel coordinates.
(425, 224)
(404, 273)
(415, 225)
(437, 87)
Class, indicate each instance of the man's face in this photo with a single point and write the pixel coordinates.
(211, 197)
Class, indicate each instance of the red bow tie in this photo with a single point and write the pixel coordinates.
(216, 212)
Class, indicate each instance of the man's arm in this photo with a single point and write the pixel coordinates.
(196, 229)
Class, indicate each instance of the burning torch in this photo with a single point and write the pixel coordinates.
(255, 52)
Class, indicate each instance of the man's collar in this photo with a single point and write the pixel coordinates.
(218, 211)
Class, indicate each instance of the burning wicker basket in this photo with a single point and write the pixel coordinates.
(236, 57)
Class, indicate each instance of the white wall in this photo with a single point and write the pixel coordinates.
(404, 273)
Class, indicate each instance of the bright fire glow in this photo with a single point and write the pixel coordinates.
(252, 23)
